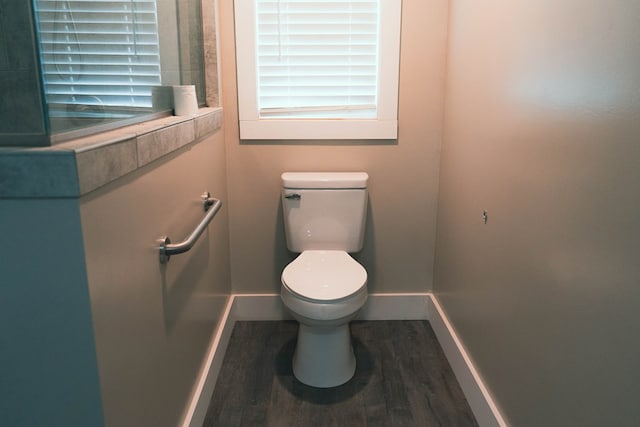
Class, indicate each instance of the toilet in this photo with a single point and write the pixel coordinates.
(324, 287)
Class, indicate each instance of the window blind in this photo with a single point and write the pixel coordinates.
(317, 59)
(99, 52)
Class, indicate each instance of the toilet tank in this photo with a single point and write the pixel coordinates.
(324, 211)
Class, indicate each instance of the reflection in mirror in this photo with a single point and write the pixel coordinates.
(109, 61)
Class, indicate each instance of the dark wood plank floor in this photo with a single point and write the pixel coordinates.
(402, 379)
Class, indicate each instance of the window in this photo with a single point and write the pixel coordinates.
(313, 69)
(99, 55)
(111, 63)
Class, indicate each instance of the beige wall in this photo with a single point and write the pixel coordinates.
(399, 244)
(152, 322)
(542, 130)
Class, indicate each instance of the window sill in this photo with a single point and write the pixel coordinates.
(77, 167)
(300, 129)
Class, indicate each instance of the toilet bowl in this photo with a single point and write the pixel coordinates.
(324, 290)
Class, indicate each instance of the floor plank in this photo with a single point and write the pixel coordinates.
(402, 379)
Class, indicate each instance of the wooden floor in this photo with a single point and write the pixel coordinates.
(402, 379)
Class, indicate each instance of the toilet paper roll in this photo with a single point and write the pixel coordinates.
(185, 102)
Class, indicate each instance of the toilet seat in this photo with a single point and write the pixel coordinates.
(324, 276)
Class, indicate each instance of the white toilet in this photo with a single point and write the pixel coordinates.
(324, 218)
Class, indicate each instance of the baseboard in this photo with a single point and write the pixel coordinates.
(484, 408)
(197, 409)
(423, 306)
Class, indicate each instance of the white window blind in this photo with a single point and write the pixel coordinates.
(99, 52)
(318, 69)
(317, 59)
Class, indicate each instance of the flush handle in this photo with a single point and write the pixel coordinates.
(293, 196)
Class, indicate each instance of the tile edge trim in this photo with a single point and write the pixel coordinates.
(35, 171)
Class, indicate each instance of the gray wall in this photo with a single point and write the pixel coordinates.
(400, 238)
(48, 367)
(542, 130)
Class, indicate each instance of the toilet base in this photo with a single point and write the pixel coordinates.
(324, 355)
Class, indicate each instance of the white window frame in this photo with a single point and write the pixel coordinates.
(253, 127)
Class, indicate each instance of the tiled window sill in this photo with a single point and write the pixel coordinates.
(77, 167)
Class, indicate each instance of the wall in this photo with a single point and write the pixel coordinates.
(152, 322)
(399, 244)
(541, 130)
(48, 368)
(93, 329)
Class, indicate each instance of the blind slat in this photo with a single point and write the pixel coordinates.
(317, 58)
(99, 52)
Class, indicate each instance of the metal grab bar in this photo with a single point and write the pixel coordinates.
(211, 207)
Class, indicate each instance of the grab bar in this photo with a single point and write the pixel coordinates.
(211, 207)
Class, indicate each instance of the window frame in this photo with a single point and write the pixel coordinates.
(253, 127)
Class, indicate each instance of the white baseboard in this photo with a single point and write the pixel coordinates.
(197, 409)
(424, 306)
(477, 394)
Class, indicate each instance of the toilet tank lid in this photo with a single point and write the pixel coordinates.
(324, 179)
